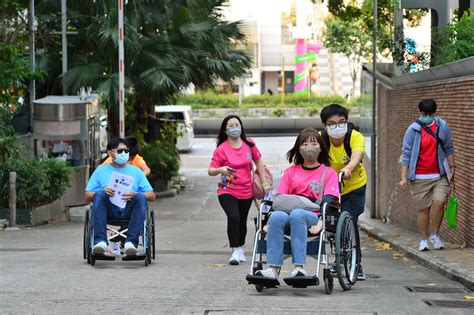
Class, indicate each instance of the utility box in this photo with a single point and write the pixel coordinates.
(67, 127)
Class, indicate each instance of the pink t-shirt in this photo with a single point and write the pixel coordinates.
(303, 182)
(239, 184)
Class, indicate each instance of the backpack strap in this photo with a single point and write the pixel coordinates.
(429, 131)
(347, 142)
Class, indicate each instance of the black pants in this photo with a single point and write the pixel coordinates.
(237, 211)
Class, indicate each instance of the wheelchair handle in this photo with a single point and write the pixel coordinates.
(341, 180)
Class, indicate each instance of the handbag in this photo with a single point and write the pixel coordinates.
(258, 191)
(451, 212)
(287, 203)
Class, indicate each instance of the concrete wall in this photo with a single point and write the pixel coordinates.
(211, 126)
(52, 212)
(397, 108)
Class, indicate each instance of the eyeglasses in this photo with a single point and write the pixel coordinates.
(120, 151)
(339, 124)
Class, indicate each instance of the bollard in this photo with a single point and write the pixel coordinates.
(12, 201)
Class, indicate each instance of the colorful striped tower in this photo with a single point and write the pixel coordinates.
(304, 52)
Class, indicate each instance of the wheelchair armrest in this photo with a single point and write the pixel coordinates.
(332, 204)
(267, 202)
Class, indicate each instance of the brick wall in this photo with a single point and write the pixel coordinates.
(397, 108)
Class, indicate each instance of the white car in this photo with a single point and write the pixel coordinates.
(182, 115)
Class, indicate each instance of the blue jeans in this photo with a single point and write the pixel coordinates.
(102, 208)
(299, 221)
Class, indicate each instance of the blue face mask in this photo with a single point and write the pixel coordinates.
(121, 158)
(427, 119)
(234, 132)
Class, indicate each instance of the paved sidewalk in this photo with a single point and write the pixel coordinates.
(454, 262)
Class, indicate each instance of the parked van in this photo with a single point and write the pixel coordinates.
(182, 115)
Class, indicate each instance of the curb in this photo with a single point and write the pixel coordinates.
(450, 270)
(166, 194)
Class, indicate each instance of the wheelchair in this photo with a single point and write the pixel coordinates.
(339, 231)
(117, 232)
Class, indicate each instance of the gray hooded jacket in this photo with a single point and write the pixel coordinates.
(411, 146)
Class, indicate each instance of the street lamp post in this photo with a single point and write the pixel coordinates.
(121, 71)
(373, 154)
(64, 40)
(32, 30)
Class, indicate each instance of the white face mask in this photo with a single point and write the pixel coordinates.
(338, 132)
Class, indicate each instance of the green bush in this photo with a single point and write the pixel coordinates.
(38, 181)
(291, 100)
(454, 42)
(162, 158)
(58, 175)
(278, 112)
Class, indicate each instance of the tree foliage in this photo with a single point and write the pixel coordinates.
(348, 37)
(168, 45)
(455, 40)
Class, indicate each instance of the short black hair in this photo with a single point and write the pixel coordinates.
(427, 105)
(331, 110)
(132, 145)
(115, 142)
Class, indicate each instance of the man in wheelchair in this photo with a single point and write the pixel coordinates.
(99, 190)
(311, 177)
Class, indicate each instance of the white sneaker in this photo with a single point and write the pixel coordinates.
(436, 241)
(298, 272)
(424, 245)
(130, 249)
(241, 254)
(114, 249)
(268, 273)
(100, 248)
(234, 259)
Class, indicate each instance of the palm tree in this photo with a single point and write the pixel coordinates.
(168, 45)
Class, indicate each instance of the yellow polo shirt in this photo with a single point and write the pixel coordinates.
(339, 160)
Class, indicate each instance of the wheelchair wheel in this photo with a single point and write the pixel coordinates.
(86, 239)
(259, 287)
(149, 239)
(328, 281)
(347, 255)
(153, 233)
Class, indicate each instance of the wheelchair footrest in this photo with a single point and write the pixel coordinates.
(103, 257)
(302, 281)
(134, 257)
(260, 280)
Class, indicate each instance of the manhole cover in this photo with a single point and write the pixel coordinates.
(450, 303)
(437, 290)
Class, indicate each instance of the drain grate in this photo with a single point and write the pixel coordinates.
(450, 303)
(437, 290)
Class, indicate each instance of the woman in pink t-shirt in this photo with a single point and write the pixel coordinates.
(311, 160)
(232, 160)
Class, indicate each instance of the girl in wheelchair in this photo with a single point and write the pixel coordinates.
(311, 177)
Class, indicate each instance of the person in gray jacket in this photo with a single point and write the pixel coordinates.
(427, 167)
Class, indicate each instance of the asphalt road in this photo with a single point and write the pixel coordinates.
(42, 270)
